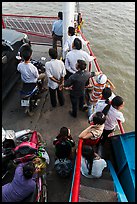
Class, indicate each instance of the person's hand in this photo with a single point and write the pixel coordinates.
(68, 88)
(61, 86)
(68, 132)
(97, 73)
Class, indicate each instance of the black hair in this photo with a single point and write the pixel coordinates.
(106, 93)
(8, 143)
(28, 170)
(81, 64)
(53, 53)
(77, 43)
(25, 51)
(116, 102)
(60, 15)
(99, 118)
(88, 154)
(71, 30)
(63, 131)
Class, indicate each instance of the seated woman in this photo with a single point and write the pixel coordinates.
(91, 163)
(63, 152)
(92, 134)
(22, 185)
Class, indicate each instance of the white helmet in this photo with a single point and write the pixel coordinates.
(101, 79)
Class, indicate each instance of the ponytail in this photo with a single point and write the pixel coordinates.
(107, 101)
(106, 109)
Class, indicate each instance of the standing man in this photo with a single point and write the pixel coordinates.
(78, 82)
(57, 30)
(56, 71)
(75, 54)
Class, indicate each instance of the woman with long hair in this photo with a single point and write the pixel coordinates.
(92, 164)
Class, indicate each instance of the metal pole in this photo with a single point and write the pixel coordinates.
(68, 19)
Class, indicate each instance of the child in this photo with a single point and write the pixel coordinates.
(92, 134)
(29, 73)
(91, 163)
(95, 93)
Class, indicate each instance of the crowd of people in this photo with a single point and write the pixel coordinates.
(103, 108)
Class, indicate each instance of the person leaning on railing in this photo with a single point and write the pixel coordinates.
(112, 113)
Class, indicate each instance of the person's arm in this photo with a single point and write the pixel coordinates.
(96, 156)
(121, 117)
(55, 80)
(55, 141)
(111, 84)
(85, 134)
(67, 65)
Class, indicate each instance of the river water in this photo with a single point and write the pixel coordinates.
(110, 29)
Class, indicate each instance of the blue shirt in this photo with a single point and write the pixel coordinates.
(19, 188)
(57, 27)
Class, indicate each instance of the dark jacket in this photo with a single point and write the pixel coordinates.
(78, 82)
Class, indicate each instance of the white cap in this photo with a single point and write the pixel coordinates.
(101, 79)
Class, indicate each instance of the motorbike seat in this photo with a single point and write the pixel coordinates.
(28, 89)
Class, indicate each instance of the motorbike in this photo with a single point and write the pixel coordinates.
(30, 93)
(24, 147)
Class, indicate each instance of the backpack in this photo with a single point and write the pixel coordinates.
(63, 149)
(63, 167)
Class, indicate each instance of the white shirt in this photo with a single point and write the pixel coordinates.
(73, 56)
(112, 116)
(68, 44)
(29, 73)
(55, 68)
(97, 167)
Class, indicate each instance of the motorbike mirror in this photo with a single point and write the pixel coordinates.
(43, 58)
(4, 59)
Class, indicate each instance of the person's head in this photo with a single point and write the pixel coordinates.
(99, 118)
(88, 154)
(28, 170)
(77, 44)
(117, 102)
(25, 52)
(53, 53)
(101, 79)
(60, 15)
(81, 65)
(106, 93)
(71, 31)
(63, 132)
